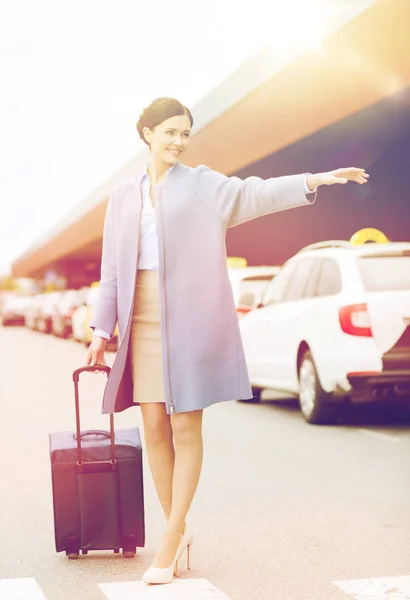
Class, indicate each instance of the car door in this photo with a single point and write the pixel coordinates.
(255, 337)
(285, 330)
(268, 356)
(322, 329)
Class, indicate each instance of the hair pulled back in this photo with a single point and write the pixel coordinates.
(160, 110)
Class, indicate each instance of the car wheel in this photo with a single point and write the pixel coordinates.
(256, 391)
(313, 400)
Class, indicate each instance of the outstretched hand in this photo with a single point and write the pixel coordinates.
(343, 176)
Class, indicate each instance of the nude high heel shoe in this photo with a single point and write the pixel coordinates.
(158, 575)
(186, 542)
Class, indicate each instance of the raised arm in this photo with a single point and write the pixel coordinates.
(235, 201)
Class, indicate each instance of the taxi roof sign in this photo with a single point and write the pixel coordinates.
(236, 262)
(369, 234)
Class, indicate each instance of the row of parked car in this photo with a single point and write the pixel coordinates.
(330, 326)
(68, 313)
(64, 313)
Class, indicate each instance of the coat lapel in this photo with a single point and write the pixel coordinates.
(128, 221)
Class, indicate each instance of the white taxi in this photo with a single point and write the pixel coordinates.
(334, 326)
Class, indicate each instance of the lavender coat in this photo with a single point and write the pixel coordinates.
(203, 357)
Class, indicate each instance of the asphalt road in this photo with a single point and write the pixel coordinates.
(283, 509)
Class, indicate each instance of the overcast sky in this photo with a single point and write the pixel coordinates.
(75, 76)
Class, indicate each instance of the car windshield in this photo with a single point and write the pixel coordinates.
(382, 273)
(253, 287)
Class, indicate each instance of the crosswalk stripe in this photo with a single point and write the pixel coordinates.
(179, 589)
(380, 588)
(25, 588)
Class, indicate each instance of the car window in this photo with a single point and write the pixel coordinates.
(299, 279)
(385, 273)
(330, 281)
(277, 288)
(311, 285)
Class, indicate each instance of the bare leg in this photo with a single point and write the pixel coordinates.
(187, 430)
(160, 450)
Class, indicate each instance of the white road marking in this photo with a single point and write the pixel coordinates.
(380, 588)
(378, 434)
(179, 589)
(25, 588)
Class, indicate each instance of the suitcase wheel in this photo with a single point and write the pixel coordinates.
(84, 551)
(72, 555)
(116, 550)
(129, 553)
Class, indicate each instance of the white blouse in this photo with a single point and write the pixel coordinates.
(148, 243)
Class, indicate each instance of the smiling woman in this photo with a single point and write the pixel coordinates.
(164, 278)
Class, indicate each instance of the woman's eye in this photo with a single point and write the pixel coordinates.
(186, 135)
(170, 132)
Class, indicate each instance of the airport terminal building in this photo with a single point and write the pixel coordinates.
(345, 104)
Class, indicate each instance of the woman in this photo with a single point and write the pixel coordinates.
(164, 278)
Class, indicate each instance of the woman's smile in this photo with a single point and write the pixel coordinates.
(174, 152)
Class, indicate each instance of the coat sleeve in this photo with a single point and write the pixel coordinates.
(236, 200)
(105, 313)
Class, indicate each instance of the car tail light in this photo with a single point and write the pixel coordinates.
(355, 320)
(362, 373)
(243, 310)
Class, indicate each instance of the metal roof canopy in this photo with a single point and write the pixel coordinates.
(264, 107)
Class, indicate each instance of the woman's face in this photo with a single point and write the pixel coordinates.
(170, 139)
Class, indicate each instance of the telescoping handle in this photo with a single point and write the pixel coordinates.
(76, 377)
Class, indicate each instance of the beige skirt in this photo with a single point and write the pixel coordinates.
(146, 350)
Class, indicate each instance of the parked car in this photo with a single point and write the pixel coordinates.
(61, 320)
(32, 311)
(82, 316)
(81, 313)
(12, 310)
(249, 284)
(48, 308)
(333, 326)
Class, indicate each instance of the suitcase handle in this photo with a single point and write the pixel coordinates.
(78, 434)
(77, 372)
(104, 434)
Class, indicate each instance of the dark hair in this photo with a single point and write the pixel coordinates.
(160, 110)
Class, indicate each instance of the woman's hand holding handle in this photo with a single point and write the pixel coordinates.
(95, 354)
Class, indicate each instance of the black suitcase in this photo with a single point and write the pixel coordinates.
(97, 483)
